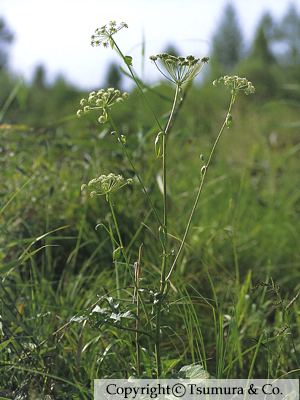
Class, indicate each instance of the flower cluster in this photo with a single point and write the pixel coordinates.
(106, 184)
(236, 84)
(180, 69)
(101, 100)
(103, 35)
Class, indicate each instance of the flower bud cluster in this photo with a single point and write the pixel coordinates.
(180, 69)
(102, 99)
(236, 84)
(106, 184)
(103, 35)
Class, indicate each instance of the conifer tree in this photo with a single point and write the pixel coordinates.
(6, 37)
(290, 36)
(261, 48)
(114, 77)
(227, 42)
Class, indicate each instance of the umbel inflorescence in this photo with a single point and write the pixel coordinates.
(179, 69)
(102, 100)
(103, 35)
(235, 84)
(106, 184)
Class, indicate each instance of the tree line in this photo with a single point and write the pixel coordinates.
(272, 60)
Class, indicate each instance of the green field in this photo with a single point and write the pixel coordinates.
(232, 303)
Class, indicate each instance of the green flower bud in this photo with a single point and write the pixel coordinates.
(122, 139)
(229, 120)
(190, 58)
(128, 60)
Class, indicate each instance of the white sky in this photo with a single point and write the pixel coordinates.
(56, 33)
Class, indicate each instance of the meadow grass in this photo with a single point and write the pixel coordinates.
(224, 308)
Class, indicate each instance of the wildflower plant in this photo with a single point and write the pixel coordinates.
(101, 100)
(178, 70)
(103, 35)
(106, 185)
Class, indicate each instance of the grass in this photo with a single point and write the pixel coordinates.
(224, 306)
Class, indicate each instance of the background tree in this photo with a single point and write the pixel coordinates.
(289, 36)
(171, 49)
(6, 37)
(39, 79)
(262, 66)
(227, 42)
(265, 34)
(114, 77)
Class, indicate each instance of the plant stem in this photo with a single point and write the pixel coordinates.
(200, 189)
(133, 167)
(164, 244)
(130, 271)
(165, 208)
(137, 83)
(137, 275)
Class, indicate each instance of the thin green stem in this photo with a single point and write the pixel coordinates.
(165, 208)
(164, 242)
(116, 226)
(173, 108)
(200, 190)
(140, 331)
(127, 264)
(136, 82)
(133, 167)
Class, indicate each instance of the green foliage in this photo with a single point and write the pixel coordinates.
(222, 311)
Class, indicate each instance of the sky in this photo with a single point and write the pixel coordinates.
(56, 33)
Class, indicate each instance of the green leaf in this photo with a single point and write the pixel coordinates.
(18, 322)
(80, 316)
(158, 144)
(191, 372)
(13, 264)
(117, 253)
(162, 237)
(106, 316)
(111, 302)
(6, 204)
(170, 364)
(4, 344)
(128, 314)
